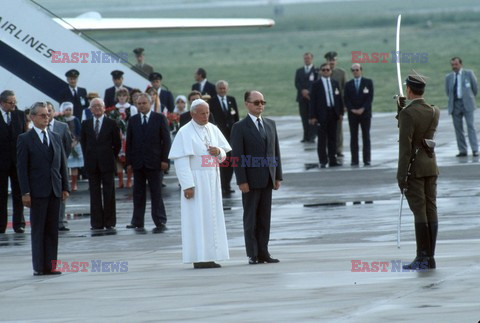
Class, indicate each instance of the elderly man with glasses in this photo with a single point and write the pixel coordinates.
(12, 124)
(43, 178)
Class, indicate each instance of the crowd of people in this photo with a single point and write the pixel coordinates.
(129, 132)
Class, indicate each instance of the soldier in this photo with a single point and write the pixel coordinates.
(417, 168)
(141, 67)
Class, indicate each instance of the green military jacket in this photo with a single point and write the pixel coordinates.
(416, 122)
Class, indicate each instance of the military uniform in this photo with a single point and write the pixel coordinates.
(416, 122)
(142, 68)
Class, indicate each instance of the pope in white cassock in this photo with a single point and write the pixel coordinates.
(195, 150)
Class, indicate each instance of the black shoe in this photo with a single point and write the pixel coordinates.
(366, 164)
(354, 164)
(420, 263)
(37, 273)
(110, 228)
(462, 155)
(160, 229)
(303, 140)
(19, 230)
(268, 260)
(53, 272)
(323, 165)
(132, 226)
(96, 228)
(204, 265)
(63, 229)
(252, 260)
(475, 154)
(334, 164)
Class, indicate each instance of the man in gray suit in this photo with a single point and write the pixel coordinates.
(61, 129)
(43, 179)
(255, 148)
(461, 88)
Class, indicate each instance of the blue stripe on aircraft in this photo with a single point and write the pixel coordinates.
(30, 72)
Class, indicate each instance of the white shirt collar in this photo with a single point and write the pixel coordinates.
(39, 133)
(254, 118)
(148, 115)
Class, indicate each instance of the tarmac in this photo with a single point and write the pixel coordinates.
(329, 227)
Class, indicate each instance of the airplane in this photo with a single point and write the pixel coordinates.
(37, 49)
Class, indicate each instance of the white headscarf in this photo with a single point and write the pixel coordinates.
(184, 99)
(66, 105)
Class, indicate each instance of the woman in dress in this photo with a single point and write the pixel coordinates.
(75, 160)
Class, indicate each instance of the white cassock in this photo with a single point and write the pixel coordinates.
(204, 237)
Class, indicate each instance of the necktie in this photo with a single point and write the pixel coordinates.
(455, 85)
(330, 96)
(97, 128)
(45, 141)
(224, 106)
(357, 84)
(263, 134)
(144, 123)
(8, 118)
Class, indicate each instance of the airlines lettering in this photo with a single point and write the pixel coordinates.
(28, 39)
(94, 56)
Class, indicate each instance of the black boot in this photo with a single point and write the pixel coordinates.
(433, 229)
(421, 262)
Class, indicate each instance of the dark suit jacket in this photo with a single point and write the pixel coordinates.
(148, 147)
(362, 99)
(109, 97)
(209, 89)
(79, 104)
(62, 129)
(224, 120)
(40, 173)
(304, 80)
(247, 144)
(166, 99)
(100, 154)
(8, 138)
(318, 101)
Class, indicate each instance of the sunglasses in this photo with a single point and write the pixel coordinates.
(258, 102)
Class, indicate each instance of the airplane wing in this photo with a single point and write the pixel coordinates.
(93, 21)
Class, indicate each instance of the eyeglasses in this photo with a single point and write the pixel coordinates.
(355, 70)
(258, 102)
(325, 70)
(43, 115)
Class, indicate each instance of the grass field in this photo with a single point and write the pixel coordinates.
(266, 59)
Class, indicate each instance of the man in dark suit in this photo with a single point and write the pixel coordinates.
(148, 145)
(61, 129)
(109, 97)
(203, 85)
(255, 145)
(101, 143)
(43, 178)
(225, 112)
(304, 78)
(358, 99)
(12, 124)
(73, 93)
(326, 107)
(165, 96)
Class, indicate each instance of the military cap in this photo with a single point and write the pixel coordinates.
(155, 76)
(116, 74)
(416, 80)
(330, 55)
(138, 51)
(72, 73)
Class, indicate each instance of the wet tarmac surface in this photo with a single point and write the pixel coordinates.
(322, 220)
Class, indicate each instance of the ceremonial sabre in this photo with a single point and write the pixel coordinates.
(400, 89)
(399, 77)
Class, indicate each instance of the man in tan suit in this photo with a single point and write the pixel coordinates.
(418, 121)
